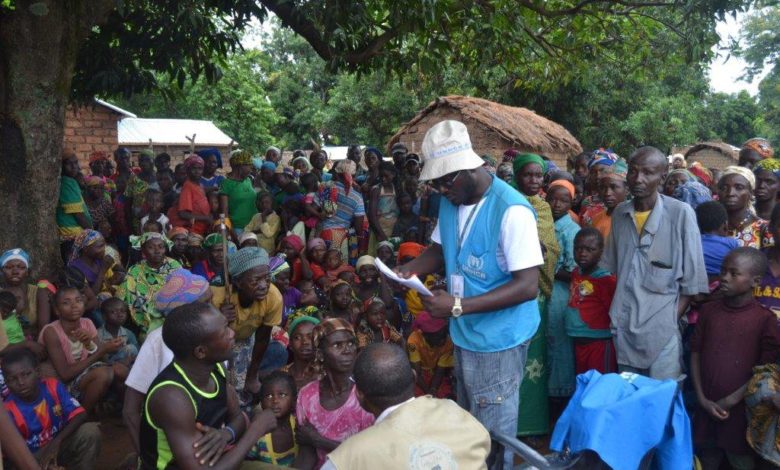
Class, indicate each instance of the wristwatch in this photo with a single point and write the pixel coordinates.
(457, 310)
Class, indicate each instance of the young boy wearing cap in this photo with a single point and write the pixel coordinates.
(430, 352)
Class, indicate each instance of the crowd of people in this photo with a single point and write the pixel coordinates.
(235, 316)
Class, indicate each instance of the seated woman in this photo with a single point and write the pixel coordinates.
(212, 268)
(328, 411)
(89, 256)
(33, 299)
(144, 279)
(301, 330)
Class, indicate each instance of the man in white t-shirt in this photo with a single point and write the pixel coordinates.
(487, 243)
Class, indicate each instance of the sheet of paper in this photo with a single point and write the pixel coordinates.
(412, 283)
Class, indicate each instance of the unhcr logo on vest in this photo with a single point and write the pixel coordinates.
(473, 267)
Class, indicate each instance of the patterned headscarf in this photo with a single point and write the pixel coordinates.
(214, 239)
(329, 326)
(193, 160)
(316, 243)
(681, 171)
(277, 264)
(769, 164)
(181, 287)
(194, 239)
(603, 157)
(524, 159)
(365, 260)
(138, 241)
(292, 325)
(427, 323)
(17, 254)
(92, 180)
(509, 155)
(618, 170)
(347, 169)
(692, 193)
(98, 156)
(240, 157)
(86, 238)
(761, 146)
(177, 231)
(698, 170)
(743, 172)
(245, 259)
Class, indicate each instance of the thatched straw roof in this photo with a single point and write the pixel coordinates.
(520, 127)
(723, 148)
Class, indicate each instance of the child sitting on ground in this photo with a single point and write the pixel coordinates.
(733, 335)
(71, 345)
(280, 276)
(431, 351)
(334, 265)
(13, 327)
(51, 421)
(278, 394)
(587, 316)
(374, 327)
(115, 313)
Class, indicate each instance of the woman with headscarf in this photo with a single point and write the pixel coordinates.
(212, 268)
(328, 410)
(692, 193)
(181, 287)
(253, 309)
(767, 173)
(192, 211)
(89, 256)
(99, 204)
(677, 162)
(236, 194)
(72, 213)
(613, 190)
(675, 178)
(735, 192)
(598, 164)
(179, 237)
(33, 299)
(350, 210)
(753, 151)
(144, 279)
(301, 165)
(212, 161)
(529, 173)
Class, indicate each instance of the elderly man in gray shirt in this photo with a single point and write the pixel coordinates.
(654, 249)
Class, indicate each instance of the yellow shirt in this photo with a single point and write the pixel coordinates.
(266, 312)
(640, 218)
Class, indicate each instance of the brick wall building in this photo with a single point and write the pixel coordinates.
(92, 128)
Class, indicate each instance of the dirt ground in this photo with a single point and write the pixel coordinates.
(115, 445)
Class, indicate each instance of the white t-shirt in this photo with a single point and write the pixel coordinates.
(153, 357)
(163, 220)
(518, 245)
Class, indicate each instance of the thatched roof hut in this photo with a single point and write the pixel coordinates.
(493, 128)
(714, 154)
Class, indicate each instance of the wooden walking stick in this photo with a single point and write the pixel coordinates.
(231, 372)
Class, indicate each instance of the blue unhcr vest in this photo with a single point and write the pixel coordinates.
(476, 261)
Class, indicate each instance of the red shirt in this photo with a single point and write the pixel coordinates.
(297, 274)
(194, 200)
(591, 294)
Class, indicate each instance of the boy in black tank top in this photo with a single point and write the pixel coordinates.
(191, 414)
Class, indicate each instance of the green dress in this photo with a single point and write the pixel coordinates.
(70, 202)
(533, 416)
(241, 200)
(139, 288)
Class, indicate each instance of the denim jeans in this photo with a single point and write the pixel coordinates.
(488, 386)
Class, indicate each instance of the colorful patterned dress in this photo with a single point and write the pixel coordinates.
(139, 288)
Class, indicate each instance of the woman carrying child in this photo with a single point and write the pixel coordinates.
(374, 327)
(34, 299)
(89, 257)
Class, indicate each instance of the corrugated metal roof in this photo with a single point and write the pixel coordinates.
(138, 131)
(115, 108)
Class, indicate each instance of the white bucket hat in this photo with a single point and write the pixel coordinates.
(447, 149)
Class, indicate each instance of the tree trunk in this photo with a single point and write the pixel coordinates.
(39, 41)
